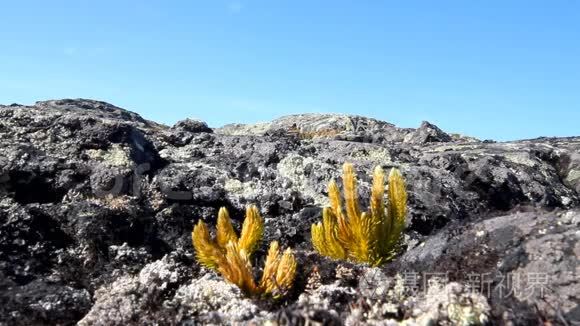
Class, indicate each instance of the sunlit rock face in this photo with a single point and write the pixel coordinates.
(97, 205)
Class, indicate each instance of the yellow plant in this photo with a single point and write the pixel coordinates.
(230, 255)
(368, 237)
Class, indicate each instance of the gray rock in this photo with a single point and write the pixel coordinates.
(519, 260)
(192, 125)
(344, 127)
(427, 133)
(97, 206)
(43, 302)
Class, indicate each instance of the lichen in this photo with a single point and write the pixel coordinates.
(116, 155)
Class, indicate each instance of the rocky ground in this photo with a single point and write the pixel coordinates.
(97, 206)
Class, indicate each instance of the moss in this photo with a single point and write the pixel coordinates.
(368, 237)
(230, 255)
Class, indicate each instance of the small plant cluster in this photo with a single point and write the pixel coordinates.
(345, 233)
(230, 255)
(366, 237)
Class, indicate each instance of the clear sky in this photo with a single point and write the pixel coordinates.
(492, 69)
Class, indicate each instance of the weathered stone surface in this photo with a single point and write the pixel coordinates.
(192, 125)
(343, 127)
(97, 206)
(427, 133)
(536, 249)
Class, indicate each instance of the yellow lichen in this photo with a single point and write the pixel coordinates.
(371, 237)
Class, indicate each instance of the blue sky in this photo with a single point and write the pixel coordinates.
(492, 69)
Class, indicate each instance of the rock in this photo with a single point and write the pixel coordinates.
(132, 298)
(427, 133)
(212, 300)
(519, 261)
(40, 302)
(97, 205)
(91, 108)
(192, 125)
(323, 126)
(344, 127)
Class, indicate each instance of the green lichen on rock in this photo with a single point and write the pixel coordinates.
(116, 155)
